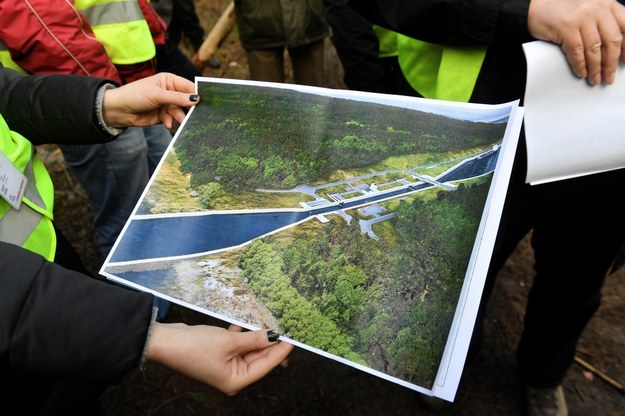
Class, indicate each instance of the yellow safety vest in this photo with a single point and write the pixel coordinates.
(31, 226)
(388, 41)
(122, 29)
(440, 72)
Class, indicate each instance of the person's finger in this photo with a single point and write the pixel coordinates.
(182, 99)
(612, 41)
(168, 121)
(593, 49)
(178, 83)
(619, 16)
(573, 48)
(176, 113)
(235, 328)
(268, 359)
(250, 341)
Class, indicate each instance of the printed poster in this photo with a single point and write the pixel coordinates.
(360, 226)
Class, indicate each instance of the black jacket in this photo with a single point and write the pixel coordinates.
(55, 323)
(501, 25)
(51, 108)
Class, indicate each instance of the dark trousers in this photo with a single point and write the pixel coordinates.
(171, 59)
(578, 227)
(307, 61)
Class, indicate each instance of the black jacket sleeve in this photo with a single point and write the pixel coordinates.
(500, 25)
(451, 22)
(60, 324)
(51, 108)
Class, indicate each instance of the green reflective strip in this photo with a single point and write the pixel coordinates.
(43, 240)
(17, 226)
(112, 12)
(440, 72)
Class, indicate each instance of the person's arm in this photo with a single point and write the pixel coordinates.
(61, 324)
(450, 22)
(590, 31)
(51, 108)
(63, 108)
(57, 323)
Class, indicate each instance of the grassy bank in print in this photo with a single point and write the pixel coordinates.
(244, 138)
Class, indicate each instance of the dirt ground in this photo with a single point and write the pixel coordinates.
(308, 384)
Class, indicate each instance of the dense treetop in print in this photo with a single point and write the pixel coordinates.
(278, 138)
(388, 306)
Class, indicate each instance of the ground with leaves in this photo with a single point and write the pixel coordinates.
(308, 384)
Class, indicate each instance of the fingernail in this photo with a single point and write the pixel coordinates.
(596, 79)
(272, 335)
(194, 97)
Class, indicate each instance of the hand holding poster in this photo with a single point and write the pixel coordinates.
(358, 225)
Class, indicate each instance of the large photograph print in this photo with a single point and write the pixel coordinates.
(359, 226)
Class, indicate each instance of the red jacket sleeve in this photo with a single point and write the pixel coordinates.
(51, 37)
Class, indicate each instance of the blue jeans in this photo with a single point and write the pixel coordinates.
(115, 174)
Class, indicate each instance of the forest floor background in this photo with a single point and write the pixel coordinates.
(308, 384)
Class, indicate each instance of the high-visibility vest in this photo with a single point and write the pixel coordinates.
(7, 61)
(122, 29)
(31, 226)
(440, 72)
(388, 41)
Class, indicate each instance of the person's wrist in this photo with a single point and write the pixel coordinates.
(112, 113)
(99, 111)
(159, 345)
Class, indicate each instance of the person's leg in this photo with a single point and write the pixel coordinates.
(579, 230)
(266, 64)
(158, 139)
(186, 20)
(308, 63)
(516, 222)
(113, 175)
(174, 61)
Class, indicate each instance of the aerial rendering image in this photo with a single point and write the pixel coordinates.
(345, 222)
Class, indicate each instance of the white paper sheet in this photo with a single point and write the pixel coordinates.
(572, 129)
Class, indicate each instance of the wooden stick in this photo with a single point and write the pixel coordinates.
(618, 386)
(215, 38)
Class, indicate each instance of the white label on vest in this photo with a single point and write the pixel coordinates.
(12, 182)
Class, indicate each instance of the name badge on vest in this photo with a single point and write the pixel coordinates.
(12, 182)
